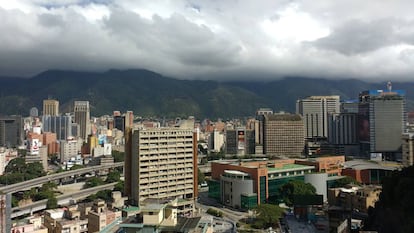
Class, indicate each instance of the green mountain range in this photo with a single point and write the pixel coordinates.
(151, 94)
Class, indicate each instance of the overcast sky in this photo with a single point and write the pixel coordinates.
(211, 39)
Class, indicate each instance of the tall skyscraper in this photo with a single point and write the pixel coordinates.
(381, 122)
(51, 107)
(161, 164)
(11, 131)
(283, 135)
(82, 117)
(258, 128)
(129, 119)
(61, 125)
(314, 111)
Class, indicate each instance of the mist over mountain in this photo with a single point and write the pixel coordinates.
(151, 94)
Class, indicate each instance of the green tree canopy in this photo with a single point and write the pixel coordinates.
(119, 156)
(17, 171)
(76, 166)
(201, 177)
(295, 187)
(113, 176)
(267, 215)
(52, 203)
(93, 182)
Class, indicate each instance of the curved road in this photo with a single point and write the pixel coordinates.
(41, 180)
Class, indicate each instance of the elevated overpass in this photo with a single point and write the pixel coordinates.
(62, 200)
(56, 176)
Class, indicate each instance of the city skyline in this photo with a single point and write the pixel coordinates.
(210, 40)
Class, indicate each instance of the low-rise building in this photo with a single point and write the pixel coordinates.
(100, 216)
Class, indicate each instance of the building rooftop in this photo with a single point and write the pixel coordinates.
(369, 164)
(233, 172)
(290, 167)
(283, 117)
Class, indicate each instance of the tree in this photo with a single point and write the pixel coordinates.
(17, 165)
(76, 166)
(296, 187)
(93, 182)
(201, 177)
(344, 181)
(34, 170)
(52, 203)
(120, 186)
(113, 176)
(267, 215)
(105, 195)
(118, 156)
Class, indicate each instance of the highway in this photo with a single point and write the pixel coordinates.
(62, 200)
(56, 176)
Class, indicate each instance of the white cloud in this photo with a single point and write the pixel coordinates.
(211, 39)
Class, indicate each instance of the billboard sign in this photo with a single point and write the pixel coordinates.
(34, 146)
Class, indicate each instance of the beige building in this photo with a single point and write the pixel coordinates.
(51, 107)
(161, 163)
(32, 224)
(65, 220)
(283, 135)
(100, 216)
(164, 218)
(358, 197)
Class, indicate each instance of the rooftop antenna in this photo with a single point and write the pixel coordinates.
(389, 86)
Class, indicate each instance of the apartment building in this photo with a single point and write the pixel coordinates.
(161, 164)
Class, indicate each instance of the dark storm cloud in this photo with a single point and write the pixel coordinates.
(173, 38)
(359, 36)
(210, 39)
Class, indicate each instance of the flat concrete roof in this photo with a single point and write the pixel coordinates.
(360, 164)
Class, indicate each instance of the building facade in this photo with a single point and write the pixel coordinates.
(381, 121)
(314, 111)
(50, 107)
(239, 141)
(283, 135)
(161, 164)
(11, 131)
(82, 118)
(61, 125)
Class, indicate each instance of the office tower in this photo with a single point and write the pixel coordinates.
(129, 119)
(61, 125)
(283, 135)
(82, 117)
(381, 122)
(119, 123)
(11, 131)
(240, 141)
(350, 106)
(342, 128)
(215, 141)
(161, 164)
(258, 128)
(314, 111)
(51, 107)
